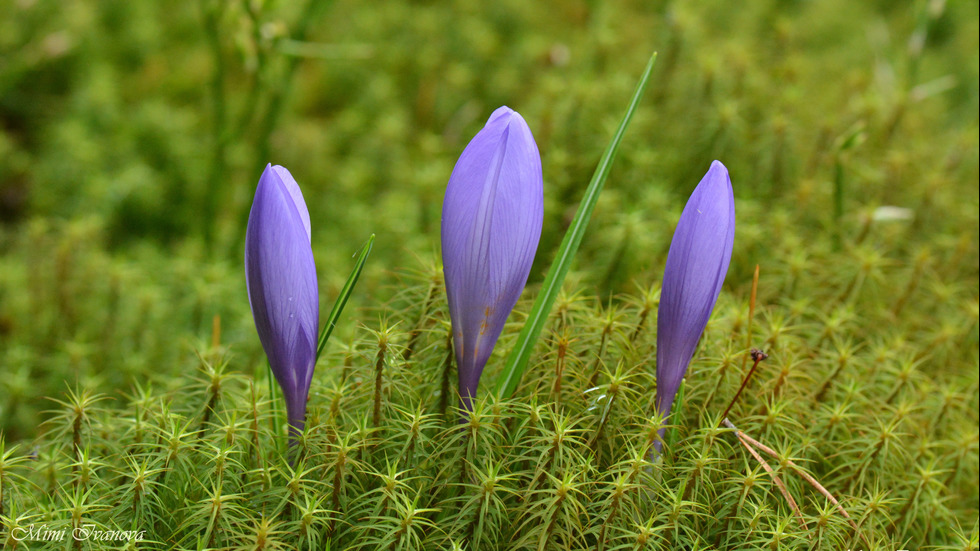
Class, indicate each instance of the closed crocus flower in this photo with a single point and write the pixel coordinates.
(491, 223)
(696, 266)
(282, 287)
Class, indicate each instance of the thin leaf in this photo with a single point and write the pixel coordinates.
(345, 292)
(517, 361)
(276, 410)
(672, 437)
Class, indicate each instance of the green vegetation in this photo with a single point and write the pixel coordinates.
(134, 393)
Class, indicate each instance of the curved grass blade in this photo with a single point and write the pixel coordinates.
(517, 361)
(345, 292)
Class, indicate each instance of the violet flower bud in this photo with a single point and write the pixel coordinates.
(696, 266)
(491, 224)
(282, 288)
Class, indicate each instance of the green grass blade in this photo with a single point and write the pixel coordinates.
(517, 361)
(678, 414)
(338, 305)
(277, 412)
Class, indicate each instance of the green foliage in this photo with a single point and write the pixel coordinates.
(133, 392)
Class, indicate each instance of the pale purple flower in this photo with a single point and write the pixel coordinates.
(696, 266)
(282, 287)
(491, 223)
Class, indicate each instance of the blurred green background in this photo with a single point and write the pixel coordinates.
(132, 135)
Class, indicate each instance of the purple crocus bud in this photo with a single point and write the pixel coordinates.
(282, 287)
(696, 266)
(491, 223)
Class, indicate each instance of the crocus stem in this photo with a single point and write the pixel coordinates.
(296, 424)
(757, 356)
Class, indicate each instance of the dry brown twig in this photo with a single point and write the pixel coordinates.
(779, 483)
(749, 442)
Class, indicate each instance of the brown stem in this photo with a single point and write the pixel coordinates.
(414, 336)
(841, 363)
(379, 365)
(757, 357)
(748, 327)
(598, 358)
(338, 481)
(639, 325)
(559, 369)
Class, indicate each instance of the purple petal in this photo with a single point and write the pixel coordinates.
(696, 266)
(295, 196)
(491, 224)
(282, 285)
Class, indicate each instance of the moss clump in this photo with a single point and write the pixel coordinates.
(391, 466)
